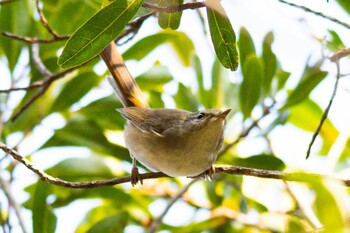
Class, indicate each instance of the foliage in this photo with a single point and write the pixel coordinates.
(91, 126)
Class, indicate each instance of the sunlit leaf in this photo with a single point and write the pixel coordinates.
(79, 169)
(245, 45)
(282, 77)
(179, 41)
(185, 99)
(86, 133)
(269, 63)
(346, 151)
(56, 13)
(102, 28)
(312, 76)
(154, 79)
(345, 4)
(222, 35)
(307, 116)
(251, 86)
(169, 20)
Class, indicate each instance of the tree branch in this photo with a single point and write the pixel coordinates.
(173, 9)
(335, 58)
(335, 20)
(233, 170)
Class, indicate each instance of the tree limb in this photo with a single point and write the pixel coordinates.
(233, 170)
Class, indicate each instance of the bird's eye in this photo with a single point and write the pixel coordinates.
(200, 116)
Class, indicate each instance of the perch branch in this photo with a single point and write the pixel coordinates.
(233, 170)
(173, 9)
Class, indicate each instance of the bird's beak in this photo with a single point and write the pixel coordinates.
(223, 114)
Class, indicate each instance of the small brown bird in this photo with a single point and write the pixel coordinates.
(175, 142)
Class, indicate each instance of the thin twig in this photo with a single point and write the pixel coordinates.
(156, 222)
(5, 188)
(38, 62)
(325, 114)
(335, 20)
(233, 170)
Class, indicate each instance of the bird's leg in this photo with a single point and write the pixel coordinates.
(208, 174)
(135, 176)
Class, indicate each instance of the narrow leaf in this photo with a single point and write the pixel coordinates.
(44, 219)
(245, 45)
(307, 116)
(312, 76)
(185, 99)
(179, 40)
(222, 35)
(169, 20)
(270, 63)
(102, 28)
(251, 86)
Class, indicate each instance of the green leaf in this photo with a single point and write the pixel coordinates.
(269, 63)
(250, 88)
(245, 45)
(312, 76)
(222, 35)
(75, 89)
(44, 219)
(80, 169)
(282, 77)
(179, 40)
(326, 207)
(102, 28)
(345, 4)
(263, 161)
(295, 224)
(307, 116)
(216, 94)
(202, 92)
(86, 133)
(65, 16)
(111, 224)
(14, 18)
(103, 112)
(154, 79)
(346, 151)
(169, 20)
(185, 99)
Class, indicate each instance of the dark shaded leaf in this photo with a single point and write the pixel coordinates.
(44, 219)
(267, 162)
(11, 22)
(75, 89)
(111, 224)
(179, 40)
(102, 28)
(169, 20)
(250, 88)
(103, 112)
(222, 35)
